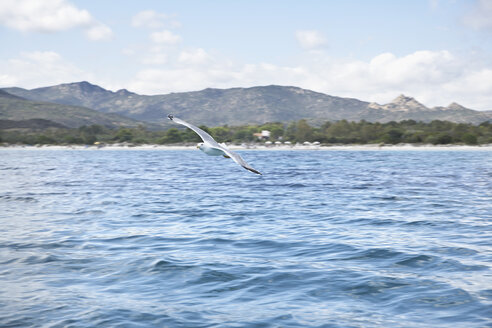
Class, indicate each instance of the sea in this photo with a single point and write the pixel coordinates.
(176, 238)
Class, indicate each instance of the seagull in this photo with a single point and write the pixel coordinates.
(210, 147)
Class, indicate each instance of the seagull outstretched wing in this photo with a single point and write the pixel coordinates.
(207, 139)
(238, 159)
(204, 135)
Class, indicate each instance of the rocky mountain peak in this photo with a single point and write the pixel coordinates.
(401, 99)
(85, 86)
(456, 106)
(401, 103)
(69, 89)
(406, 104)
(404, 100)
(124, 92)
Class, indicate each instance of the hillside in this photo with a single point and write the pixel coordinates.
(15, 108)
(238, 106)
(31, 124)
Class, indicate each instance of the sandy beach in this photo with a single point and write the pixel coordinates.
(258, 147)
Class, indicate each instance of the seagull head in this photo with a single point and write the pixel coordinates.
(170, 116)
(199, 145)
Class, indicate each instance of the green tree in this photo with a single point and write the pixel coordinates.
(276, 129)
(290, 131)
(469, 139)
(304, 132)
(338, 130)
(89, 140)
(71, 139)
(221, 134)
(414, 137)
(189, 135)
(393, 136)
(172, 136)
(244, 133)
(368, 132)
(124, 134)
(44, 140)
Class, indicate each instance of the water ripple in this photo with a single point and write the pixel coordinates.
(175, 239)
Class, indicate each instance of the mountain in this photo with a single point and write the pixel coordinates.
(210, 106)
(18, 112)
(6, 95)
(32, 124)
(238, 106)
(401, 104)
(407, 108)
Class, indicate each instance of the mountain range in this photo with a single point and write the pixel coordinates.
(235, 106)
(17, 112)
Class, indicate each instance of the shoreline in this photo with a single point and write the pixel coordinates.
(368, 147)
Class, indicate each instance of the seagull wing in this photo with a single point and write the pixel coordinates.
(238, 159)
(207, 138)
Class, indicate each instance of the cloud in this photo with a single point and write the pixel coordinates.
(154, 20)
(155, 58)
(194, 57)
(99, 32)
(480, 17)
(39, 68)
(187, 78)
(49, 16)
(433, 77)
(310, 39)
(165, 37)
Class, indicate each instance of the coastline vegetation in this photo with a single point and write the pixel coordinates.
(340, 132)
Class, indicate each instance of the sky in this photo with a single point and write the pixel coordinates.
(438, 51)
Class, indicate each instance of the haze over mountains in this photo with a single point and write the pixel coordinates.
(235, 106)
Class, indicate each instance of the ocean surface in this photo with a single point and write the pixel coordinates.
(158, 238)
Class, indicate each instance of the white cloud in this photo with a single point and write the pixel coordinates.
(433, 77)
(42, 16)
(155, 59)
(481, 15)
(194, 57)
(310, 39)
(154, 20)
(39, 68)
(99, 32)
(165, 37)
(49, 16)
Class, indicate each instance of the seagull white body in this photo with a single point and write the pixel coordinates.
(211, 150)
(211, 147)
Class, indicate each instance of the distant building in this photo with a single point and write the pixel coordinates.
(263, 135)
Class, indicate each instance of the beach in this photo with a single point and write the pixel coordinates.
(261, 147)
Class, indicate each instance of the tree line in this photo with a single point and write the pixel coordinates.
(340, 132)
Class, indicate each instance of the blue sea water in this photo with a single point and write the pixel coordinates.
(137, 238)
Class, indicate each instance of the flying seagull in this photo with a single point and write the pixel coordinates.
(210, 147)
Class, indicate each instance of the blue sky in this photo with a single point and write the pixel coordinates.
(437, 51)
